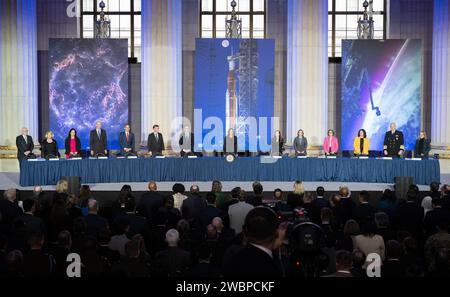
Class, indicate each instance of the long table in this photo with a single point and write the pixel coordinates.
(114, 170)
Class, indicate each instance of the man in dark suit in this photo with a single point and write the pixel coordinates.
(320, 201)
(343, 264)
(31, 222)
(186, 142)
(25, 145)
(94, 223)
(126, 141)
(257, 259)
(392, 266)
(409, 215)
(436, 216)
(364, 210)
(155, 142)
(210, 211)
(9, 209)
(137, 223)
(257, 197)
(193, 205)
(97, 140)
(150, 203)
(173, 261)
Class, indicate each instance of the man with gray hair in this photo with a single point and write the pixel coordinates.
(95, 223)
(9, 207)
(173, 261)
(98, 140)
(25, 145)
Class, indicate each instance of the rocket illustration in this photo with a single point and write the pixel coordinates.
(231, 96)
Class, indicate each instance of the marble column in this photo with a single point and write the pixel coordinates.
(440, 120)
(307, 69)
(18, 69)
(161, 67)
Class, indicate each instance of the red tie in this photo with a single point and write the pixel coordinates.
(127, 136)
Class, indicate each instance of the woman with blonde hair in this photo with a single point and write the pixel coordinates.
(49, 147)
(62, 190)
(422, 147)
(295, 198)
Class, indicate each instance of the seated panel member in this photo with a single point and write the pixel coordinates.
(186, 142)
(25, 145)
(72, 144)
(230, 143)
(393, 145)
(277, 144)
(330, 144)
(98, 140)
(422, 147)
(361, 144)
(49, 147)
(155, 142)
(127, 142)
(300, 143)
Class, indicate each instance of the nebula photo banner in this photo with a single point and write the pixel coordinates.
(381, 83)
(88, 82)
(234, 83)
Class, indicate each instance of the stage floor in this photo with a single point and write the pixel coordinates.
(9, 178)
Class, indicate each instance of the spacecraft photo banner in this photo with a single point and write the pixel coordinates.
(381, 83)
(88, 81)
(234, 82)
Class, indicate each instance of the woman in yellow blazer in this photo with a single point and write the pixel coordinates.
(361, 144)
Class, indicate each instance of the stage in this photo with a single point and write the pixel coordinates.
(343, 170)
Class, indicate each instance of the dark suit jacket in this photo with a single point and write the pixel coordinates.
(207, 214)
(156, 147)
(409, 217)
(98, 145)
(300, 144)
(426, 148)
(255, 200)
(435, 217)
(149, 204)
(95, 224)
(126, 144)
(9, 211)
(250, 261)
(33, 224)
(184, 145)
(192, 207)
(22, 147)
(77, 145)
(172, 262)
(138, 224)
(363, 211)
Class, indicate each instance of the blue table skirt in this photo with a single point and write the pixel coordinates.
(242, 169)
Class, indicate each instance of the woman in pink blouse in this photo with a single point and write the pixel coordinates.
(72, 144)
(330, 144)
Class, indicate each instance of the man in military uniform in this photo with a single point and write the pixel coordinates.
(393, 142)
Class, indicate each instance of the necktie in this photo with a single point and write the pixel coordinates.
(25, 137)
(127, 136)
(98, 134)
(156, 136)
